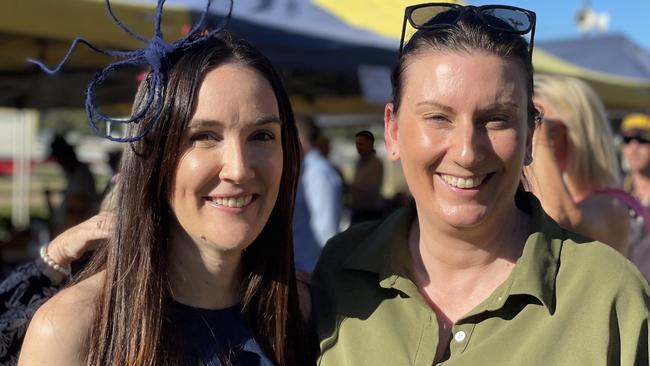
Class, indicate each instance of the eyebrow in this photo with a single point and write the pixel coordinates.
(499, 106)
(432, 103)
(495, 107)
(216, 123)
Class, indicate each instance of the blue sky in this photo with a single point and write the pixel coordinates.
(556, 18)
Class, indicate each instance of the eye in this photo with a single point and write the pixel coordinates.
(498, 121)
(263, 135)
(437, 118)
(204, 138)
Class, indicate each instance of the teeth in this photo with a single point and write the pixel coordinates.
(232, 201)
(464, 183)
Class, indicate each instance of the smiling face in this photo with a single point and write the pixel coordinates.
(228, 177)
(461, 135)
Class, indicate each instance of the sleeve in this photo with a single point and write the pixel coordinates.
(323, 195)
(632, 309)
(21, 294)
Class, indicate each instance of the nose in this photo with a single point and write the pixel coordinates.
(236, 163)
(468, 144)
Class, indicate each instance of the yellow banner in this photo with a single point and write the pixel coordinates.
(383, 17)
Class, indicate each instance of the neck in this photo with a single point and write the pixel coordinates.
(202, 276)
(450, 263)
(465, 247)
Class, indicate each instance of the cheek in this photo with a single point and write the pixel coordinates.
(269, 164)
(418, 142)
(645, 151)
(421, 151)
(510, 145)
(194, 168)
(626, 150)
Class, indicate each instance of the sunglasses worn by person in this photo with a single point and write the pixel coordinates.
(638, 139)
(502, 18)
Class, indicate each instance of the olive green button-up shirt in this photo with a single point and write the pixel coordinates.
(568, 301)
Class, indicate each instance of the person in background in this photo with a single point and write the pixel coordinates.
(365, 199)
(635, 130)
(472, 271)
(319, 199)
(80, 200)
(322, 143)
(575, 172)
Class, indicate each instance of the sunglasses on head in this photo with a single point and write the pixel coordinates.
(638, 139)
(503, 18)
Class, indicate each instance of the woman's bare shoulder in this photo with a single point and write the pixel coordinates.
(58, 330)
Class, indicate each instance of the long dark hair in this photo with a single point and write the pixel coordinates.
(131, 323)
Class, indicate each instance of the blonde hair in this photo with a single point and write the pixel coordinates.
(591, 163)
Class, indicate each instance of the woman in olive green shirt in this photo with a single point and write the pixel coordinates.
(472, 272)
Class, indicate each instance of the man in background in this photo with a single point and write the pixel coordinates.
(319, 198)
(365, 199)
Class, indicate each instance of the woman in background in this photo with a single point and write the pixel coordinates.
(575, 172)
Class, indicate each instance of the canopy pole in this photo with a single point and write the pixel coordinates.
(23, 128)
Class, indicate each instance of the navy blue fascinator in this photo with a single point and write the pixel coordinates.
(155, 54)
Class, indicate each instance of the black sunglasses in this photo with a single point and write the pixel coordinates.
(503, 18)
(638, 139)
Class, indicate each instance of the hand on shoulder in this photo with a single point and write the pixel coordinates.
(57, 331)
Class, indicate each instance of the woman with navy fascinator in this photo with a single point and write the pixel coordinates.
(199, 267)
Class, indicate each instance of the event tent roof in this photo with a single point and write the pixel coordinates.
(614, 54)
(318, 48)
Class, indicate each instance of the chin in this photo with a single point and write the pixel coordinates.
(464, 216)
(230, 243)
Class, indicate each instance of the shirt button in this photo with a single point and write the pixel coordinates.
(459, 336)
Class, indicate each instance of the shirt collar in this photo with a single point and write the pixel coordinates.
(385, 252)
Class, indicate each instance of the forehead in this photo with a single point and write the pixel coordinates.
(235, 91)
(464, 78)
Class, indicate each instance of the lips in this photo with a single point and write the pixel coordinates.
(463, 183)
(232, 202)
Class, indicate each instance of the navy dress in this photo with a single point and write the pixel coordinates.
(209, 336)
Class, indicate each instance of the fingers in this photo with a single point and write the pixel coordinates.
(101, 223)
(74, 242)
